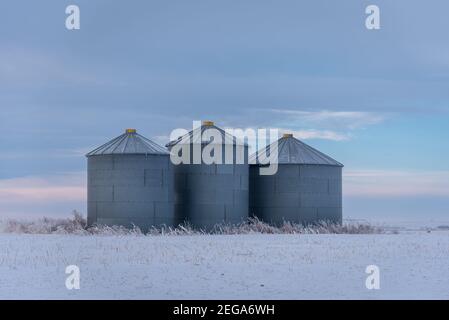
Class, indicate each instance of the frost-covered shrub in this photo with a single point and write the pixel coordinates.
(78, 225)
(75, 225)
(254, 225)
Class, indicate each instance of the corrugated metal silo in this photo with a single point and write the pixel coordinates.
(208, 194)
(306, 188)
(130, 181)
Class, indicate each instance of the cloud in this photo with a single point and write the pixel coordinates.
(390, 183)
(57, 195)
(56, 188)
(317, 134)
(322, 124)
(349, 120)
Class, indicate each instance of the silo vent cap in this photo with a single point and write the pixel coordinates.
(208, 123)
(130, 131)
(287, 135)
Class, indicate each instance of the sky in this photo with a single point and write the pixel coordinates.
(375, 100)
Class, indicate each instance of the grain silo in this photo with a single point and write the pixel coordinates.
(130, 182)
(211, 193)
(306, 188)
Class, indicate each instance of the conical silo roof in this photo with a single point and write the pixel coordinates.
(292, 151)
(129, 143)
(196, 136)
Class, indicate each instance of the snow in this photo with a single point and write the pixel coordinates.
(256, 266)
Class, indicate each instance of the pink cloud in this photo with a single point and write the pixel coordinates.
(59, 194)
(58, 188)
(395, 183)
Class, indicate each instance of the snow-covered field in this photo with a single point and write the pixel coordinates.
(260, 266)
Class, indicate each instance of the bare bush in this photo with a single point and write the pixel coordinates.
(254, 225)
(78, 225)
(75, 225)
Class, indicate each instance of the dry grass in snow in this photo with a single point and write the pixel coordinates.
(77, 225)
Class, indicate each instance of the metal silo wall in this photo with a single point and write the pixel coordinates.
(297, 193)
(208, 194)
(131, 189)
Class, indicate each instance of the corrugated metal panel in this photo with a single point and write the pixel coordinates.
(208, 194)
(292, 151)
(299, 193)
(306, 188)
(131, 181)
(129, 143)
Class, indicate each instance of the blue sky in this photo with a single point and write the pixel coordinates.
(377, 101)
